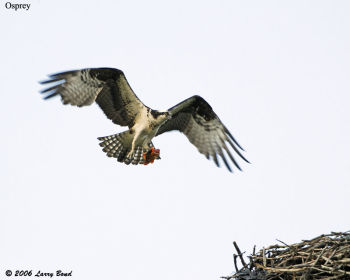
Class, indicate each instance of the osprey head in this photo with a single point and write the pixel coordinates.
(161, 115)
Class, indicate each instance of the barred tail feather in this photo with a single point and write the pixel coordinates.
(119, 145)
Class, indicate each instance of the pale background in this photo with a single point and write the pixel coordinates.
(276, 72)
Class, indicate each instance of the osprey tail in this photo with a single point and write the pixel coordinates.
(119, 146)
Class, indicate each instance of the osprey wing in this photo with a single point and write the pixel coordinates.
(107, 86)
(196, 119)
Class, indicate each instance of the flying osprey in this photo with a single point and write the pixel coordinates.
(109, 88)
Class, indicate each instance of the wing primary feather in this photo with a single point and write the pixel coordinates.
(52, 94)
(233, 139)
(50, 81)
(215, 158)
(225, 161)
(237, 151)
(61, 75)
(50, 88)
(231, 157)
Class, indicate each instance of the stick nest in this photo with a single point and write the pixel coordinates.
(323, 257)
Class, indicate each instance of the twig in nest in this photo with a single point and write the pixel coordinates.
(239, 254)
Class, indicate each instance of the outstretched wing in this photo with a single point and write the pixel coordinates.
(196, 119)
(107, 86)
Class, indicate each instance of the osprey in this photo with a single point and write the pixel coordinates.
(109, 88)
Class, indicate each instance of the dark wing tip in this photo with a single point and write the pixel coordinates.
(45, 82)
(247, 161)
(215, 158)
(236, 150)
(233, 139)
(225, 161)
(51, 91)
(50, 95)
(50, 81)
(54, 78)
(53, 88)
(232, 158)
(62, 75)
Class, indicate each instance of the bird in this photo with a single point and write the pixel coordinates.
(109, 88)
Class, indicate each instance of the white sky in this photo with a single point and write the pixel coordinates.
(276, 72)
